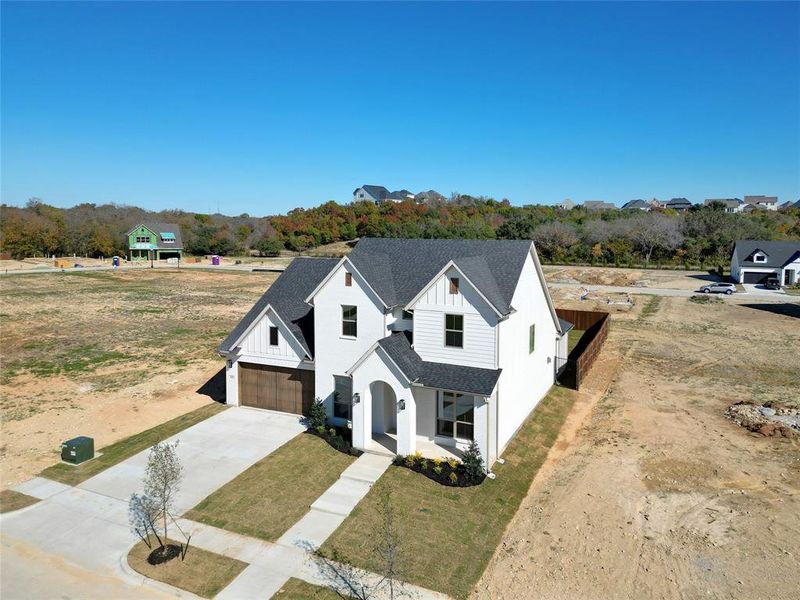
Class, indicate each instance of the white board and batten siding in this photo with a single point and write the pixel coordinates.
(480, 347)
(255, 347)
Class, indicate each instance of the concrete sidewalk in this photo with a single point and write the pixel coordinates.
(290, 556)
(86, 527)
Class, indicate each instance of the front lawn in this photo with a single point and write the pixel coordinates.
(116, 453)
(272, 495)
(448, 535)
(11, 500)
(201, 572)
(297, 589)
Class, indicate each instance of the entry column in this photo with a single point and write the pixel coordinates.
(406, 409)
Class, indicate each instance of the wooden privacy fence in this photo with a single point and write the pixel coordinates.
(595, 327)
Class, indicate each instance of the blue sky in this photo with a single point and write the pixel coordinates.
(262, 107)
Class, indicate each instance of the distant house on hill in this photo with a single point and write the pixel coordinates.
(679, 204)
(732, 205)
(595, 205)
(379, 194)
(788, 205)
(400, 196)
(640, 204)
(763, 202)
(567, 204)
(429, 196)
(154, 241)
(373, 193)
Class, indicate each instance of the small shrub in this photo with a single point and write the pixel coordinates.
(332, 431)
(418, 455)
(438, 461)
(473, 462)
(321, 430)
(317, 416)
(452, 462)
(423, 464)
(453, 477)
(437, 469)
(410, 460)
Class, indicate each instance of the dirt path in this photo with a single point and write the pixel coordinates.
(658, 495)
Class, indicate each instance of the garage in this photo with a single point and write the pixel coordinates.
(276, 388)
(756, 277)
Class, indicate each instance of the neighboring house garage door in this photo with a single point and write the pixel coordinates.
(751, 277)
(276, 388)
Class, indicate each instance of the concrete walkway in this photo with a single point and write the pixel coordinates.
(271, 565)
(86, 527)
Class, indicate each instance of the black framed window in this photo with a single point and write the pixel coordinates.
(342, 397)
(455, 416)
(273, 336)
(350, 321)
(454, 331)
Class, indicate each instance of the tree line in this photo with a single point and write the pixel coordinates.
(702, 234)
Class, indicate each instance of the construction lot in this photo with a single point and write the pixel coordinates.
(653, 492)
(108, 354)
(650, 492)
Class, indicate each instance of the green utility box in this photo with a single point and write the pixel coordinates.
(77, 450)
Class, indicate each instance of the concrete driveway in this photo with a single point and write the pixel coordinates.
(86, 527)
(758, 289)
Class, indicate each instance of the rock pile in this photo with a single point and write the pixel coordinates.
(768, 420)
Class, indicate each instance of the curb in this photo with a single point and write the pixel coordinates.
(134, 576)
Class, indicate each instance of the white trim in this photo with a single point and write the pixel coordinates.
(255, 322)
(547, 297)
(384, 356)
(453, 265)
(327, 278)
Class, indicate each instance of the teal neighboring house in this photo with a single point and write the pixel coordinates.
(155, 241)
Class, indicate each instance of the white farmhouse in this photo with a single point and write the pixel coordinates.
(420, 342)
(755, 261)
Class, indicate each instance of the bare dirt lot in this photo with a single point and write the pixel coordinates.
(674, 279)
(108, 354)
(652, 492)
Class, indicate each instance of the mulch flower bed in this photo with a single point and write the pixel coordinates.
(164, 554)
(450, 473)
(339, 438)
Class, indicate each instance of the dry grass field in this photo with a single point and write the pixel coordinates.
(109, 354)
(655, 494)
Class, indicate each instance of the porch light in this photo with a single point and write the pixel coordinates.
(356, 398)
(402, 404)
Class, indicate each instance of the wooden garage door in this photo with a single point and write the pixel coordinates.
(276, 388)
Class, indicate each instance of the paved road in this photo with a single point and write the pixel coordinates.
(85, 528)
(247, 267)
(769, 295)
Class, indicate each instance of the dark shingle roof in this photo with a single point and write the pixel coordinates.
(778, 252)
(636, 204)
(376, 191)
(158, 229)
(287, 297)
(565, 325)
(457, 378)
(398, 269)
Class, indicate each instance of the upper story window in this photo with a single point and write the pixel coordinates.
(454, 331)
(348, 279)
(273, 336)
(759, 258)
(531, 339)
(142, 239)
(454, 285)
(349, 321)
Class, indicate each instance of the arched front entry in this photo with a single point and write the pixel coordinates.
(384, 408)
